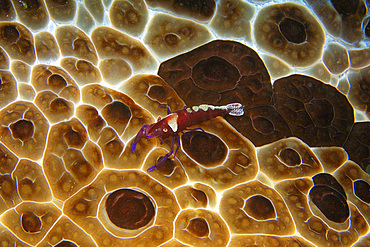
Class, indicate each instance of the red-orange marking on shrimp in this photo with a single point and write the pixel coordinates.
(178, 121)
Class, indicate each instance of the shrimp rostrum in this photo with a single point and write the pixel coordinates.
(178, 121)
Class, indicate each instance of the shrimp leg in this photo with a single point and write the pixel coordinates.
(189, 132)
(168, 109)
(164, 158)
(195, 129)
(138, 137)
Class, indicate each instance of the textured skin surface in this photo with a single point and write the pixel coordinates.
(79, 79)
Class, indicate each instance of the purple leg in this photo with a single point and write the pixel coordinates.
(178, 145)
(164, 158)
(188, 133)
(168, 109)
(162, 140)
(138, 136)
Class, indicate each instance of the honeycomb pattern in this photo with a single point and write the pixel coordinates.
(79, 79)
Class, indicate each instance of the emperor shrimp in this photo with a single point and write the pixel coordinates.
(178, 121)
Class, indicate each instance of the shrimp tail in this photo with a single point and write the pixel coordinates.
(235, 109)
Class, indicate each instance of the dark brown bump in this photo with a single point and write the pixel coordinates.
(362, 190)
(250, 84)
(199, 196)
(114, 147)
(260, 208)
(251, 63)
(74, 139)
(290, 157)
(255, 84)
(22, 130)
(59, 105)
(129, 209)
(358, 143)
(10, 33)
(157, 93)
(57, 82)
(345, 7)
(207, 149)
(31, 223)
(167, 167)
(243, 160)
(84, 66)
(65, 243)
(24, 45)
(293, 30)
(117, 112)
(321, 112)
(316, 112)
(328, 180)
(90, 112)
(263, 125)
(81, 45)
(330, 202)
(248, 79)
(81, 169)
(171, 39)
(198, 227)
(216, 74)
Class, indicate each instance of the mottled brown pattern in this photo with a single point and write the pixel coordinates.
(204, 148)
(358, 145)
(316, 112)
(79, 79)
(32, 13)
(290, 32)
(359, 93)
(17, 41)
(342, 19)
(61, 11)
(129, 209)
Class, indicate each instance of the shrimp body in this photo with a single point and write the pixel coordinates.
(179, 121)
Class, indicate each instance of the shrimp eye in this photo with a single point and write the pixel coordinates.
(165, 130)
